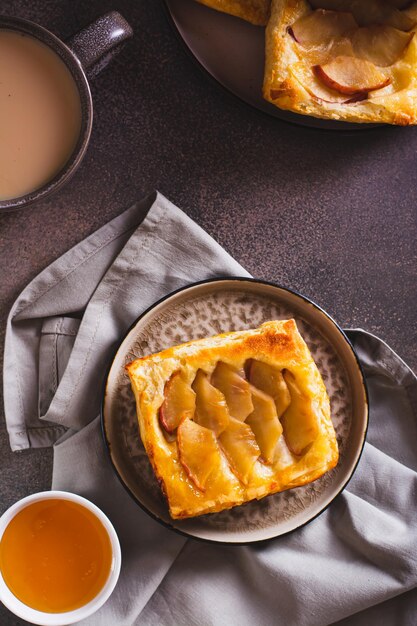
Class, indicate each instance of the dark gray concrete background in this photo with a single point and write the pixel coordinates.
(329, 214)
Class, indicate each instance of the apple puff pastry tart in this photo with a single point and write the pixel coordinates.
(351, 60)
(254, 11)
(234, 417)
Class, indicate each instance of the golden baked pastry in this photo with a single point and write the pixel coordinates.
(254, 11)
(234, 417)
(351, 60)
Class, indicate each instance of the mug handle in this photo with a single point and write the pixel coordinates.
(100, 41)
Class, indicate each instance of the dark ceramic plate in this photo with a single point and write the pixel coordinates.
(231, 51)
(206, 309)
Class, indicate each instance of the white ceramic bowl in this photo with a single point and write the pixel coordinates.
(69, 617)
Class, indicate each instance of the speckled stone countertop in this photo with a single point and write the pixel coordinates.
(329, 214)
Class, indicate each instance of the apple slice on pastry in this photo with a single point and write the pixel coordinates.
(368, 12)
(270, 380)
(381, 45)
(198, 452)
(211, 409)
(351, 76)
(320, 27)
(178, 404)
(300, 420)
(235, 389)
(307, 80)
(264, 423)
(239, 444)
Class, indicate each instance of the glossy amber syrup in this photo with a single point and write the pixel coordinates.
(55, 555)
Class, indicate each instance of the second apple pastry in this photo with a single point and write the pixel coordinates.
(343, 59)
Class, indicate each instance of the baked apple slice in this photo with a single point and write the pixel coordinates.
(235, 389)
(367, 12)
(239, 445)
(210, 404)
(319, 27)
(198, 451)
(400, 20)
(350, 75)
(300, 422)
(411, 12)
(282, 454)
(178, 404)
(379, 44)
(318, 90)
(325, 53)
(270, 380)
(264, 423)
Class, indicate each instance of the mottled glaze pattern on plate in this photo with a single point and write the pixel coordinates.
(207, 314)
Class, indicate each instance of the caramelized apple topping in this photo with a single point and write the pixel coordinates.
(270, 380)
(211, 409)
(325, 53)
(411, 12)
(178, 404)
(235, 389)
(377, 12)
(381, 45)
(400, 20)
(299, 420)
(317, 89)
(346, 41)
(198, 451)
(237, 417)
(367, 12)
(321, 27)
(239, 444)
(350, 75)
(264, 423)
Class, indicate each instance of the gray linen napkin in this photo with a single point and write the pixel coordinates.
(62, 330)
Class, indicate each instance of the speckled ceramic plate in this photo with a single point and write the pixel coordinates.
(206, 309)
(232, 52)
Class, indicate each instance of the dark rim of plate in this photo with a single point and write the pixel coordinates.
(237, 279)
(247, 106)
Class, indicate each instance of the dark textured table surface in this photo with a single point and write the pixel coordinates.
(330, 214)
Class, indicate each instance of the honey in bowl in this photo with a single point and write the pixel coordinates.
(55, 555)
